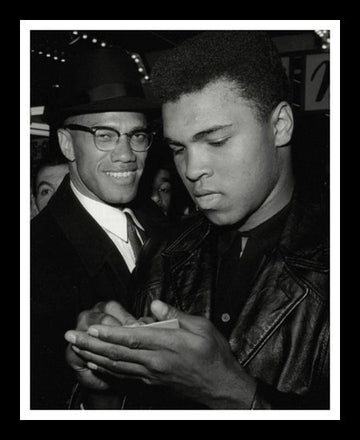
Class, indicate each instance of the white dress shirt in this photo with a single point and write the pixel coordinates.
(114, 223)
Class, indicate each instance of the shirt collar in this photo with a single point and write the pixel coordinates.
(266, 234)
(110, 218)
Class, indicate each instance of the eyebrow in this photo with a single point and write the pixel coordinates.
(201, 134)
(43, 182)
(133, 130)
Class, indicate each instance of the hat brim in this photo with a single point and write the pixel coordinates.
(123, 103)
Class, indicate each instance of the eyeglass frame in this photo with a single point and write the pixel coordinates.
(93, 130)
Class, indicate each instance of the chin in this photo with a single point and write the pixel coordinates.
(122, 199)
(220, 218)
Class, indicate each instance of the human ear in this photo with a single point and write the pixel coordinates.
(283, 123)
(66, 144)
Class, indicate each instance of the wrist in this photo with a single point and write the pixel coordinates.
(236, 392)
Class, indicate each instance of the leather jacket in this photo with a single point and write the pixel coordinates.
(281, 337)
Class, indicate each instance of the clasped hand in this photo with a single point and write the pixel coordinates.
(194, 360)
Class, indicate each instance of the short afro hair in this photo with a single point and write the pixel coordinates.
(248, 58)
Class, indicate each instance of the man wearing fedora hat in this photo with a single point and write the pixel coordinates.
(84, 244)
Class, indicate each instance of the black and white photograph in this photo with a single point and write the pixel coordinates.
(178, 229)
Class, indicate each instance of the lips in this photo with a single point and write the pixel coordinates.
(206, 200)
(202, 193)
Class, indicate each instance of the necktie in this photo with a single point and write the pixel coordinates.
(132, 235)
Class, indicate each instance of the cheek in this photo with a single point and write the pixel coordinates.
(249, 173)
(166, 199)
(141, 160)
(88, 164)
(256, 162)
(86, 160)
(42, 201)
(88, 174)
(180, 166)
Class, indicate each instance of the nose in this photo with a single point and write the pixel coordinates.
(122, 151)
(196, 164)
(155, 196)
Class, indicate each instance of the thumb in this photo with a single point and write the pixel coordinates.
(117, 311)
(163, 311)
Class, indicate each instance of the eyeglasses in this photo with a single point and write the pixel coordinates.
(106, 138)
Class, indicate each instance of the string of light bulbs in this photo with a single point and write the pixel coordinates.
(325, 38)
(78, 36)
(47, 53)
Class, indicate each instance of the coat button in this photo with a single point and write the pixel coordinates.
(225, 317)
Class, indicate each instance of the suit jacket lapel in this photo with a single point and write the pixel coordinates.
(119, 268)
(88, 239)
(150, 217)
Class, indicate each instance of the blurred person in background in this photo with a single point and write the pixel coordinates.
(49, 174)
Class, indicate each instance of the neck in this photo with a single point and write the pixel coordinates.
(79, 184)
(275, 202)
(86, 193)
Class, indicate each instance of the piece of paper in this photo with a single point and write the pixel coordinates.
(170, 323)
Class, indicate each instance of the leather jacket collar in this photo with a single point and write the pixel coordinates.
(300, 230)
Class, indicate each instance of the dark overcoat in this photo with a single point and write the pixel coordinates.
(74, 265)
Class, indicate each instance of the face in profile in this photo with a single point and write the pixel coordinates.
(226, 157)
(109, 176)
(47, 182)
(161, 189)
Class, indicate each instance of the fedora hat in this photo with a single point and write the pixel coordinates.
(98, 80)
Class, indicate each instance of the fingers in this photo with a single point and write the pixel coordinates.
(117, 311)
(138, 338)
(84, 375)
(105, 313)
(103, 364)
(111, 374)
(90, 317)
(111, 351)
(163, 311)
(88, 379)
(74, 360)
(120, 361)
